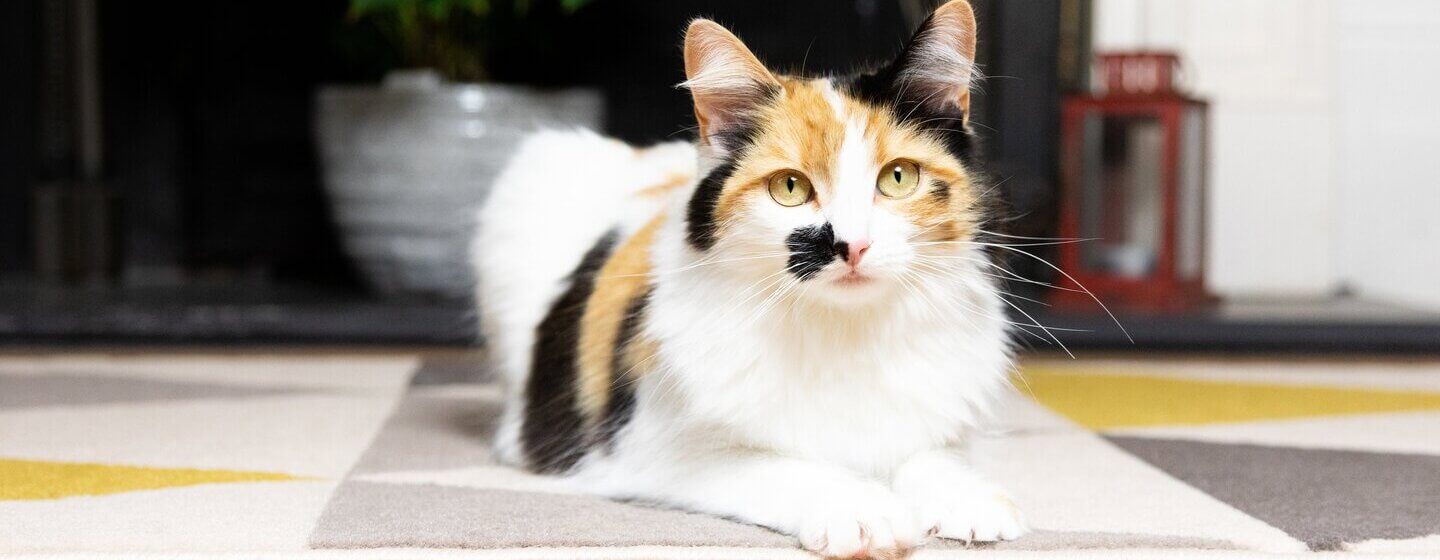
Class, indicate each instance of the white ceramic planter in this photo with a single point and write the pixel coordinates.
(406, 164)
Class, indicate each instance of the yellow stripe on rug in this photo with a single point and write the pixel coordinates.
(1100, 401)
(46, 480)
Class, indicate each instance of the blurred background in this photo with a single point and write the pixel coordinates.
(1247, 175)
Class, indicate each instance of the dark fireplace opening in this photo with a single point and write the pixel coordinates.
(159, 177)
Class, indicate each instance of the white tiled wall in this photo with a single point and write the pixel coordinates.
(1387, 164)
(1326, 138)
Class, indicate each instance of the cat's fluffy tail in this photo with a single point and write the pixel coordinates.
(559, 194)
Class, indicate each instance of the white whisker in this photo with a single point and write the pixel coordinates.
(1077, 283)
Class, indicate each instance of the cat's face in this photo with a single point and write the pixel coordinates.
(847, 189)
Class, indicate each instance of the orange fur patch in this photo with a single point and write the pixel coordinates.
(669, 185)
(624, 277)
(800, 130)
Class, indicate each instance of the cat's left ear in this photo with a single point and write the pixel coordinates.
(938, 66)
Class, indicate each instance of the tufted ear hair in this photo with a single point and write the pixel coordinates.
(937, 67)
(725, 80)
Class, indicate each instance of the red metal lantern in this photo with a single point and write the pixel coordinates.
(1133, 181)
(1140, 73)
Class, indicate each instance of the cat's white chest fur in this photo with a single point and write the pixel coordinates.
(865, 391)
(813, 422)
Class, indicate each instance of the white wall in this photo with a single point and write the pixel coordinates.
(1265, 67)
(1387, 164)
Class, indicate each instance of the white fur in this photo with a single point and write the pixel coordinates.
(851, 209)
(560, 192)
(723, 72)
(838, 414)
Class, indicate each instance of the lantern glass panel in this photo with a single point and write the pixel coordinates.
(1121, 194)
(1190, 229)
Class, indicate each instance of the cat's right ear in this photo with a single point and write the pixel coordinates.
(725, 80)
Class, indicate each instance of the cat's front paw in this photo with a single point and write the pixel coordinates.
(866, 522)
(972, 515)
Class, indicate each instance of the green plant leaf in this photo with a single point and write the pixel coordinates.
(361, 8)
(477, 7)
(570, 6)
(453, 37)
(437, 10)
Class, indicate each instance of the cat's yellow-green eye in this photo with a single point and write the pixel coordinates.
(898, 178)
(790, 188)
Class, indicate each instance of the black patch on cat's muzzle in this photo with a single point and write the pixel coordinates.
(811, 248)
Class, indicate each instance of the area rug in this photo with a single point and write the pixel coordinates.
(306, 455)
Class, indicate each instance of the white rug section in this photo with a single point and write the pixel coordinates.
(268, 516)
(492, 392)
(1392, 432)
(303, 435)
(489, 478)
(1080, 482)
(705, 553)
(383, 373)
(1018, 414)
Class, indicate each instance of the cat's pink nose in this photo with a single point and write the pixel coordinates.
(856, 251)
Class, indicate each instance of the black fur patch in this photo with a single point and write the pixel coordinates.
(621, 405)
(811, 248)
(941, 192)
(948, 123)
(700, 214)
(552, 432)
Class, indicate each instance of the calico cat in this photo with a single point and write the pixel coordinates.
(789, 323)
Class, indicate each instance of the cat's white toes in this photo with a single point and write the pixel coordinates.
(871, 524)
(984, 518)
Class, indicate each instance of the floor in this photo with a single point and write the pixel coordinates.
(383, 453)
(200, 313)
